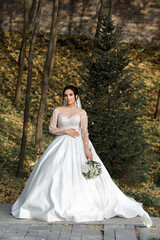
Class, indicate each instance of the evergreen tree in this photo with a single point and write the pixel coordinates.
(114, 105)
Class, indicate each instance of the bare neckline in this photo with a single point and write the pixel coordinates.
(67, 116)
(70, 116)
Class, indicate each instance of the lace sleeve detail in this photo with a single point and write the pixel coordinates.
(84, 130)
(53, 123)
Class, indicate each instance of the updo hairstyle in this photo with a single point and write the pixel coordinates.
(73, 88)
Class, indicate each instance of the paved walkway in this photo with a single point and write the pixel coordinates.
(111, 229)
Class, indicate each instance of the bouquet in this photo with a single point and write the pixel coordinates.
(91, 169)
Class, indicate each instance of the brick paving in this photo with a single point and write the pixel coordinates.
(111, 229)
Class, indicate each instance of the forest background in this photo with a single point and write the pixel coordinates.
(72, 53)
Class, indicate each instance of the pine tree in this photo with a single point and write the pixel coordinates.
(114, 105)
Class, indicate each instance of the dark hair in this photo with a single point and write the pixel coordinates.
(71, 87)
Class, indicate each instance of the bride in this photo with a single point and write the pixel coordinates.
(56, 189)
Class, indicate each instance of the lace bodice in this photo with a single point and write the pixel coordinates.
(59, 122)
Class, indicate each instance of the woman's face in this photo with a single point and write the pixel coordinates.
(69, 97)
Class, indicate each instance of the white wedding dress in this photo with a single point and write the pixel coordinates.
(56, 189)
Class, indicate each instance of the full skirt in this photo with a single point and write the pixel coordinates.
(57, 191)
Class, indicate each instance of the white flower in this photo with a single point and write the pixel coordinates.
(84, 169)
(91, 169)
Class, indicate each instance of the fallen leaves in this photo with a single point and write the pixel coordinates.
(69, 60)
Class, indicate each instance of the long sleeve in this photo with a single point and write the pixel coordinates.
(53, 123)
(84, 130)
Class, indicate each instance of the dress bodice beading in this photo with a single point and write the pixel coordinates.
(64, 122)
(60, 122)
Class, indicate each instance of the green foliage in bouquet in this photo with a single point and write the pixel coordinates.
(91, 169)
(115, 105)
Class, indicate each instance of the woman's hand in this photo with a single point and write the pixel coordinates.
(89, 155)
(72, 132)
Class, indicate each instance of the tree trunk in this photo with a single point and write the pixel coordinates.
(32, 13)
(28, 17)
(29, 80)
(157, 112)
(48, 67)
(55, 34)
